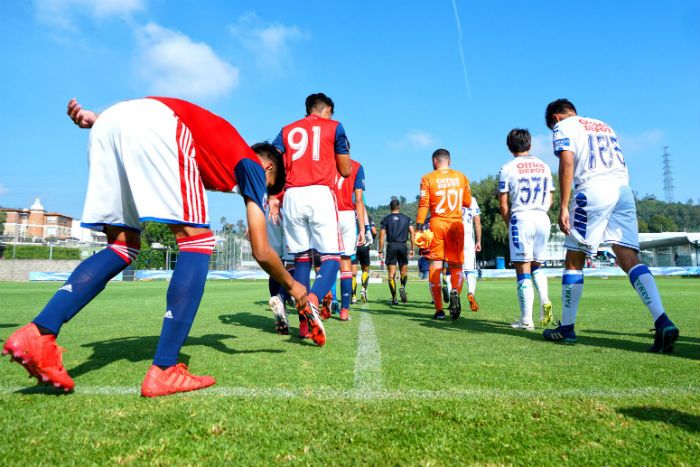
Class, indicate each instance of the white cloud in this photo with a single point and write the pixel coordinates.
(640, 142)
(269, 42)
(175, 65)
(62, 13)
(416, 139)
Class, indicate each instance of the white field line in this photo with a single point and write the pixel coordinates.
(368, 359)
(367, 394)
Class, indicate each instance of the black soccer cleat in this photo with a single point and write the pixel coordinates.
(664, 339)
(455, 305)
(402, 294)
(445, 292)
(393, 301)
(439, 315)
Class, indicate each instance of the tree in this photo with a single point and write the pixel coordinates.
(662, 223)
(3, 218)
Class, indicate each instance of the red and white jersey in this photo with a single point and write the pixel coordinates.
(309, 146)
(212, 142)
(347, 185)
(597, 154)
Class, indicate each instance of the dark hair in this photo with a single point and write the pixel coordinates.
(558, 106)
(441, 154)
(518, 140)
(318, 101)
(267, 151)
(394, 204)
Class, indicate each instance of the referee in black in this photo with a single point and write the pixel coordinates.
(397, 228)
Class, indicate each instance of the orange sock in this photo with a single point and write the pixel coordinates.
(456, 279)
(436, 287)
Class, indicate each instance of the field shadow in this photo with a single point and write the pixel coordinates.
(137, 349)
(682, 420)
(8, 325)
(681, 338)
(262, 323)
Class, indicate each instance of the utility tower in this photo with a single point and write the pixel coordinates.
(668, 176)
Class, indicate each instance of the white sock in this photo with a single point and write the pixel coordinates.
(571, 290)
(471, 281)
(539, 278)
(526, 297)
(645, 285)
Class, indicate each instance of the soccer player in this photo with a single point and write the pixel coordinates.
(397, 229)
(151, 160)
(351, 210)
(471, 218)
(526, 182)
(363, 260)
(315, 148)
(278, 295)
(602, 210)
(443, 192)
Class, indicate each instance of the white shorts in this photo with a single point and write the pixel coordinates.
(347, 224)
(602, 214)
(275, 236)
(141, 171)
(469, 254)
(311, 220)
(528, 235)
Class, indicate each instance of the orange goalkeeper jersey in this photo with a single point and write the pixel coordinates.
(443, 192)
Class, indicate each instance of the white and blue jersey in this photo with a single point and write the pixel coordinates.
(602, 209)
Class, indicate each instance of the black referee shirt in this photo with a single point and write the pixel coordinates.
(396, 227)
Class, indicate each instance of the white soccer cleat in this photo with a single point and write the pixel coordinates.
(523, 326)
(280, 314)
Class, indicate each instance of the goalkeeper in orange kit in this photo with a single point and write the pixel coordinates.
(443, 192)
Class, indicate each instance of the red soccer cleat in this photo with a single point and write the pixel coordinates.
(326, 306)
(303, 327)
(344, 314)
(172, 380)
(39, 355)
(315, 325)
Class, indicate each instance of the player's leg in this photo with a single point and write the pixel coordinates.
(469, 272)
(364, 265)
(345, 286)
(353, 299)
(572, 289)
(454, 255)
(391, 271)
(403, 270)
(539, 279)
(348, 234)
(436, 287)
(526, 296)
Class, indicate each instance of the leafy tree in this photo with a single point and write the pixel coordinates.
(662, 223)
(3, 218)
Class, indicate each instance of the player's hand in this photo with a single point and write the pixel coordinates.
(274, 215)
(411, 253)
(368, 238)
(564, 221)
(361, 239)
(81, 117)
(477, 247)
(380, 254)
(298, 292)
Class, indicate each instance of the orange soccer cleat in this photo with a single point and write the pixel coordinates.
(473, 305)
(326, 306)
(317, 331)
(172, 380)
(39, 355)
(344, 314)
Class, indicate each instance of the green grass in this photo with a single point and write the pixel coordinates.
(425, 393)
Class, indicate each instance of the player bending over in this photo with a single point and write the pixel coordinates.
(602, 210)
(315, 148)
(527, 183)
(443, 192)
(278, 295)
(396, 228)
(152, 160)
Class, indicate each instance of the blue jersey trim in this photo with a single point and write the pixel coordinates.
(99, 226)
(342, 145)
(360, 179)
(278, 142)
(171, 221)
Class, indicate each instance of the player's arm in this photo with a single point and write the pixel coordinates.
(264, 254)
(342, 152)
(382, 232)
(423, 202)
(566, 178)
(360, 216)
(82, 117)
(412, 238)
(467, 199)
(477, 233)
(503, 207)
(274, 204)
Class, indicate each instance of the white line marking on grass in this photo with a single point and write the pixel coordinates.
(368, 394)
(368, 360)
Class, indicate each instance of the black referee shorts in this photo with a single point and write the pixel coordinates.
(362, 255)
(396, 253)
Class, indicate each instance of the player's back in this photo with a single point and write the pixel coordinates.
(596, 148)
(309, 147)
(528, 182)
(444, 191)
(346, 186)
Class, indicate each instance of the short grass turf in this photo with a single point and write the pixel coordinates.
(391, 387)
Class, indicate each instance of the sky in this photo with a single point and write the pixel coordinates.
(407, 78)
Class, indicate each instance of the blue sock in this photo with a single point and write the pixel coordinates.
(663, 321)
(345, 289)
(330, 264)
(333, 291)
(302, 269)
(86, 281)
(184, 295)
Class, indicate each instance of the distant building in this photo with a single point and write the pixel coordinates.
(84, 235)
(34, 223)
(669, 249)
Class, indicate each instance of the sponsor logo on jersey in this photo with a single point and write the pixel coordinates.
(67, 288)
(562, 142)
(168, 314)
(501, 185)
(448, 182)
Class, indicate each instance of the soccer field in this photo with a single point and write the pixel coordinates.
(391, 387)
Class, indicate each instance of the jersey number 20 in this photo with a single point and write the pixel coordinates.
(298, 140)
(451, 197)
